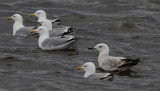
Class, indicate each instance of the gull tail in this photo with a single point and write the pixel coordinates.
(73, 39)
(130, 62)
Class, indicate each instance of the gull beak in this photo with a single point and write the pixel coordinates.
(40, 24)
(32, 15)
(9, 18)
(91, 48)
(79, 68)
(32, 31)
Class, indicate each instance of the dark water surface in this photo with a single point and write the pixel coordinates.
(129, 27)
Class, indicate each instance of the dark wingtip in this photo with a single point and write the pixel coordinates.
(77, 38)
(56, 21)
(74, 38)
(108, 77)
(71, 29)
(130, 62)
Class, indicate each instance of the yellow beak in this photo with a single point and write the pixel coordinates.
(9, 18)
(79, 68)
(32, 31)
(32, 15)
(40, 24)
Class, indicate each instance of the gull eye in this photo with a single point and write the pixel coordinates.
(14, 16)
(85, 66)
(100, 46)
(38, 13)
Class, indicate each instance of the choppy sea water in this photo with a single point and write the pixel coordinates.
(130, 28)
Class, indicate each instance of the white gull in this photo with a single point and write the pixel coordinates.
(90, 72)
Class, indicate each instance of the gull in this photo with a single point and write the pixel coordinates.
(18, 28)
(53, 43)
(54, 30)
(41, 15)
(111, 63)
(90, 72)
(57, 30)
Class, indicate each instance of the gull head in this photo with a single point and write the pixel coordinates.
(88, 67)
(41, 30)
(16, 17)
(39, 14)
(102, 47)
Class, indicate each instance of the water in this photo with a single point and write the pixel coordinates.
(129, 27)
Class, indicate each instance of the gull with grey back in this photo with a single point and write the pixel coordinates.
(90, 72)
(18, 28)
(54, 30)
(53, 43)
(57, 30)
